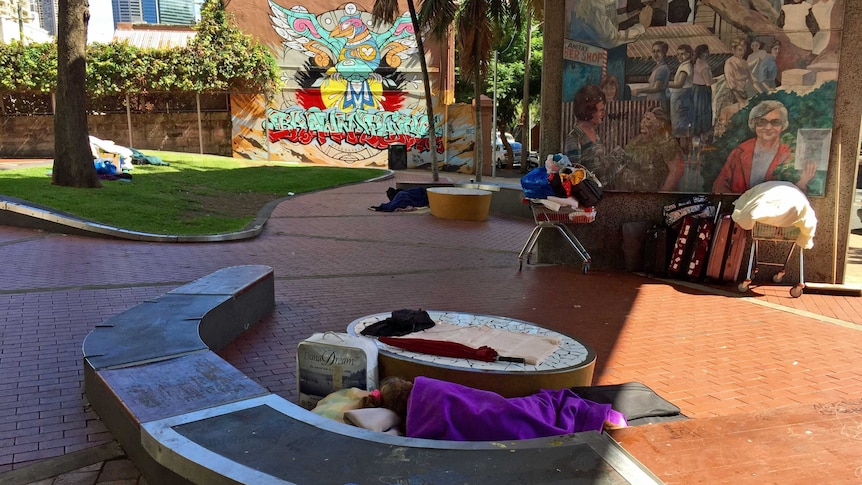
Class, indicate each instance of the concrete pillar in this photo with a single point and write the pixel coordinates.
(833, 222)
(552, 77)
(486, 106)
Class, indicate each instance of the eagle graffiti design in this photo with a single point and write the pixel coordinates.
(352, 66)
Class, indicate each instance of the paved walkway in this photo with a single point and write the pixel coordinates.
(773, 384)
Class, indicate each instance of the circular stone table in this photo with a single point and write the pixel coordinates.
(570, 366)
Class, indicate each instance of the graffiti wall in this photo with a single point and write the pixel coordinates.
(703, 96)
(351, 89)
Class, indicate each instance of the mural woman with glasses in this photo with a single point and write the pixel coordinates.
(755, 160)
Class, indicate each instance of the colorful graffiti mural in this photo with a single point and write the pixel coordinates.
(351, 88)
(709, 96)
(350, 93)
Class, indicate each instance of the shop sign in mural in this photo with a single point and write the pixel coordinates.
(709, 96)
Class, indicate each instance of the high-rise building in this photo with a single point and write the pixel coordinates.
(150, 10)
(20, 19)
(47, 15)
(178, 12)
(128, 11)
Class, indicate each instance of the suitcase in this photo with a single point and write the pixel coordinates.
(725, 256)
(327, 362)
(656, 251)
(738, 240)
(699, 250)
(683, 245)
(718, 252)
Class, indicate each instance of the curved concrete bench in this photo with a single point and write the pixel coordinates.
(184, 415)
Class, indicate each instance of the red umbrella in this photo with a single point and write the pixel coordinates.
(447, 349)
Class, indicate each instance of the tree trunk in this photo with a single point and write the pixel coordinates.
(525, 115)
(429, 103)
(477, 99)
(73, 160)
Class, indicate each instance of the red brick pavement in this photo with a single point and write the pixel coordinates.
(731, 362)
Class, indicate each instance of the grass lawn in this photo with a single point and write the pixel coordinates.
(195, 195)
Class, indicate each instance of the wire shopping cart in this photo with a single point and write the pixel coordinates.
(765, 232)
(559, 220)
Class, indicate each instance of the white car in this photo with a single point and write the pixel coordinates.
(501, 158)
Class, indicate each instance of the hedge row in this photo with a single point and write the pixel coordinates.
(218, 58)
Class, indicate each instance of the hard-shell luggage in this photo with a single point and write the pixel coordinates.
(682, 246)
(327, 362)
(738, 240)
(725, 257)
(699, 250)
(656, 251)
(720, 244)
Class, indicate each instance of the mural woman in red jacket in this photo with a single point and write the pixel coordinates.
(755, 160)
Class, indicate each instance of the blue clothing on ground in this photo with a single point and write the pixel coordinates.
(413, 197)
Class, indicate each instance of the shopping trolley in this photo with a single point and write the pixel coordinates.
(766, 232)
(560, 220)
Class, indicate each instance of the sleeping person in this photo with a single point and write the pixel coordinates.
(435, 409)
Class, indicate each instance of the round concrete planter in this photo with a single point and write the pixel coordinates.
(459, 203)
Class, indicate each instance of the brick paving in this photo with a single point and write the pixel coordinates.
(728, 361)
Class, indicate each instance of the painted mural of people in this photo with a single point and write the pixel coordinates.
(755, 160)
(611, 87)
(792, 20)
(582, 144)
(822, 11)
(654, 160)
(764, 69)
(701, 93)
(649, 14)
(737, 77)
(681, 113)
(756, 56)
(595, 22)
(658, 78)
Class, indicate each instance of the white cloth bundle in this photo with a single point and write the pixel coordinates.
(779, 204)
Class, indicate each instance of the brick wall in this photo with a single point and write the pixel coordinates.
(33, 136)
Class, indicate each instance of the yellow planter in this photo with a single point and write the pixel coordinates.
(459, 203)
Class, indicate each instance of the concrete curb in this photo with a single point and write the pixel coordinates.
(52, 467)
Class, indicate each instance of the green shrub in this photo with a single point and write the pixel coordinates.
(219, 58)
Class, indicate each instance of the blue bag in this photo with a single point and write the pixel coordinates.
(535, 184)
(104, 167)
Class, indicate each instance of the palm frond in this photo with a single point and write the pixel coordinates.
(438, 16)
(385, 11)
(537, 7)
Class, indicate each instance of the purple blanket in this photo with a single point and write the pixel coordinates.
(447, 411)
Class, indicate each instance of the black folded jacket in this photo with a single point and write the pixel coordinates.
(402, 322)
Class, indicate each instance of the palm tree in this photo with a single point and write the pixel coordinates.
(534, 9)
(435, 16)
(477, 22)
